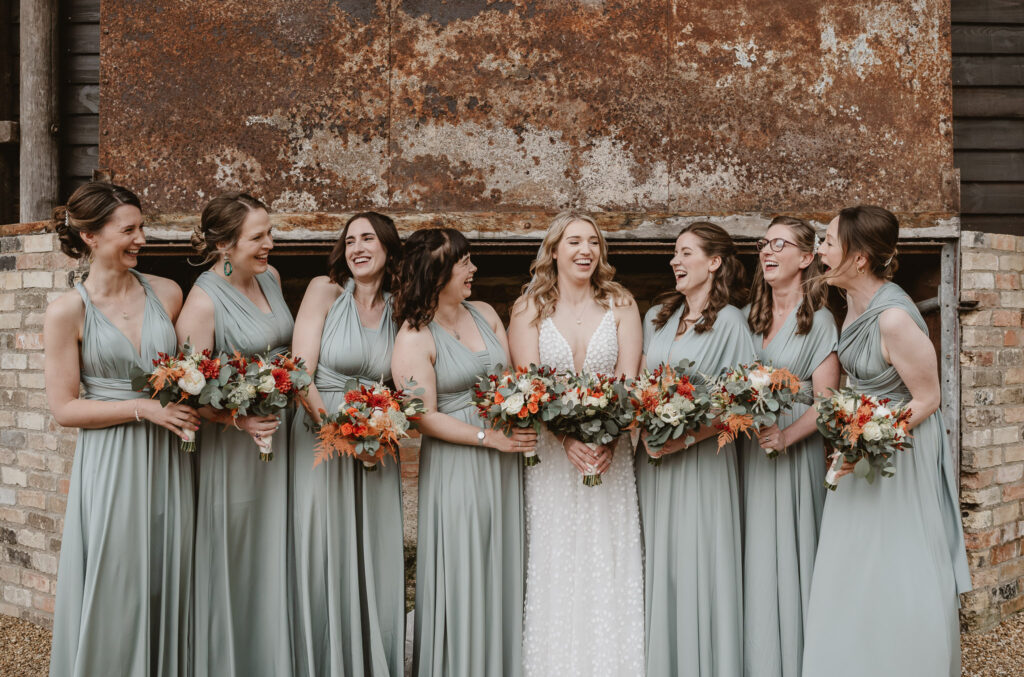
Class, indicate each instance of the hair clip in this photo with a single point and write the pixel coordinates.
(67, 218)
(817, 243)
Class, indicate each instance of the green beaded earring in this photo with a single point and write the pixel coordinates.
(228, 268)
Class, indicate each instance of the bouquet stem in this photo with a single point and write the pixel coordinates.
(266, 452)
(771, 453)
(831, 478)
(591, 478)
(188, 442)
(530, 458)
(369, 467)
(653, 460)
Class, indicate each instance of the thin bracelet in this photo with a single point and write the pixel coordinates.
(137, 419)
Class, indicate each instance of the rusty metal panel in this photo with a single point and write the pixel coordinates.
(482, 112)
(288, 100)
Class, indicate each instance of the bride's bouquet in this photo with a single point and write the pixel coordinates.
(262, 386)
(863, 430)
(516, 398)
(668, 405)
(594, 409)
(750, 397)
(370, 421)
(190, 377)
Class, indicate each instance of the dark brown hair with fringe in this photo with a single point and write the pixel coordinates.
(427, 261)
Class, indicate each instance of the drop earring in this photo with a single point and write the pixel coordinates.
(228, 268)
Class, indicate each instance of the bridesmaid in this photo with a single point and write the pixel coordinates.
(690, 504)
(784, 496)
(891, 557)
(241, 606)
(124, 585)
(348, 595)
(469, 568)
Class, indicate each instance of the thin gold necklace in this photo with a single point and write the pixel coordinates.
(454, 332)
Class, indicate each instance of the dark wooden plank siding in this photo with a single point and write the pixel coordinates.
(988, 112)
(80, 91)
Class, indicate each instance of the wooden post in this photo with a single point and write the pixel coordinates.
(8, 128)
(39, 116)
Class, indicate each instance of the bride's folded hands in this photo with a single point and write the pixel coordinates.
(521, 441)
(586, 459)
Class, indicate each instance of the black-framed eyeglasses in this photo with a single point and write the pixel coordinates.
(777, 243)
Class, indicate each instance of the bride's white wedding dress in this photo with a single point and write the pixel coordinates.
(584, 612)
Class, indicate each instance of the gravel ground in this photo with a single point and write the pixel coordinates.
(25, 650)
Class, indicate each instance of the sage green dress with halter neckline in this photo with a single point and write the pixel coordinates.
(891, 558)
(469, 559)
(348, 589)
(783, 501)
(124, 582)
(241, 599)
(690, 514)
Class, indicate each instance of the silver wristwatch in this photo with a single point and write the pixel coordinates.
(481, 434)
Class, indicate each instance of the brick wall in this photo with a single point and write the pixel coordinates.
(35, 453)
(992, 444)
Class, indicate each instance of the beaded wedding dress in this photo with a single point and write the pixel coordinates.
(584, 612)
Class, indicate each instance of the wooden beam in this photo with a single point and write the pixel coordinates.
(991, 198)
(8, 131)
(975, 134)
(39, 116)
(974, 39)
(987, 11)
(988, 102)
(988, 71)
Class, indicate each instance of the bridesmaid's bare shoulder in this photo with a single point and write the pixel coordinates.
(169, 293)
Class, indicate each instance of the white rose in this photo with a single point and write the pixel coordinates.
(267, 384)
(684, 404)
(882, 412)
(848, 404)
(379, 418)
(513, 403)
(524, 385)
(872, 431)
(760, 379)
(192, 382)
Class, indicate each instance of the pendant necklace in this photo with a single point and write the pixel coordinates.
(454, 332)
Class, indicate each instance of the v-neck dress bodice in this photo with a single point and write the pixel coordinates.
(896, 546)
(690, 511)
(783, 502)
(580, 541)
(469, 556)
(348, 574)
(242, 514)
(124, 582)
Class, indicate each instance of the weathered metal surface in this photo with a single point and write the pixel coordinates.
(478, 112)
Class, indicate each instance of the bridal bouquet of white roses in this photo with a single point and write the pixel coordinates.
(517, 398)
(594, 409)
(189, 377)
(668, 405)
(863, 430)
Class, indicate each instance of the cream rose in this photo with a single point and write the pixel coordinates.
(872, 431)
(192, 382)
(267, 384)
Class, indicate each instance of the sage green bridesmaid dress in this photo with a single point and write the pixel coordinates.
(124, 583)
(690, 514)
(469, 568)
(348, 590)
(783, 500)
(241, 602)
(891, 557)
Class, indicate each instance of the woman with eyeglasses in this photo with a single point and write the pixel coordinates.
(784, 496)
(891, 557)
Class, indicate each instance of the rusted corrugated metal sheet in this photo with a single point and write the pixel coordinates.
(495, 106)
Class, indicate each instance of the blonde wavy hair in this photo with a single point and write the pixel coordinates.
(542, 289)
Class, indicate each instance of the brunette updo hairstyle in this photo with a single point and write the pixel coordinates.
(387, 234)
(815, 291)
(427, 263)
(221, 223)
(728, 283)
(872, 232)
(87, 211)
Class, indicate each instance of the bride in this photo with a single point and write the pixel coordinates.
(584, 612)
